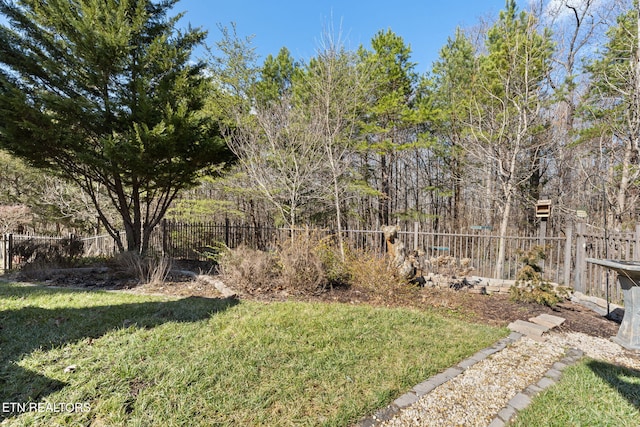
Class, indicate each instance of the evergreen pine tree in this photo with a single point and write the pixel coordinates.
(103, 92)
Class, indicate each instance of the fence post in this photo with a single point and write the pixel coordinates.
(3, 245)
(542, 232)
(568, 245)
(581, 255)
(226, 232)
(7, 250)
(164, 237)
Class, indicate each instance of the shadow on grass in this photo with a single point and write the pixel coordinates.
(624, 380)
(31, 327)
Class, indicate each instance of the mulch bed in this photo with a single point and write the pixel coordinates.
(498, 310)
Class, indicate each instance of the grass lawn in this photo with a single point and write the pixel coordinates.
(143, 360)
(591, 393)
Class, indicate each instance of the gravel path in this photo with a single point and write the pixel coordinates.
(493, 388)
(597, 348)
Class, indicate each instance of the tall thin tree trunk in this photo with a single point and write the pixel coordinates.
(385, 187)
(489, 197)
(626, 177)
(504, 223)
(336, 196)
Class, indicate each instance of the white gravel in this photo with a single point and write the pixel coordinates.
(474, 397)
(597, 348)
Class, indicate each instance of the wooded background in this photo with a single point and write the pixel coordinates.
(537, 103)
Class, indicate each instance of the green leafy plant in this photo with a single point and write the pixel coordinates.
(336, 270)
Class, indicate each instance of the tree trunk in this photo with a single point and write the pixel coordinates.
(384, 186)
(489, 196)
(504, 223)
(336, 196)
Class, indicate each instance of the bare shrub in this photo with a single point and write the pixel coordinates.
(36, 254)
(302, 268)
(146, 269)
(248, 269)
(307, 263)
(450, 266)
(373, 272)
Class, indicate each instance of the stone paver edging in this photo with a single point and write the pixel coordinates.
(521, 400)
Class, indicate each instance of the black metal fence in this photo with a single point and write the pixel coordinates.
(195, 240)
(564, 261)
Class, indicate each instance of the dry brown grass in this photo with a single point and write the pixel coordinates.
(146, 269)
(297, 266)
(373, 272)
(306, 264)
(379, 279)
(302, 268)
(248, 269)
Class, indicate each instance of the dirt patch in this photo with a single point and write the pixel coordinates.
(497, 310)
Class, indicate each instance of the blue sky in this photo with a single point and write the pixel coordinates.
(425, 25)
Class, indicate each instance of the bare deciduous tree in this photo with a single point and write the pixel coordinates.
(505, 113)
(280, 155)
(333, 88)
(13, 216)
(612, 109)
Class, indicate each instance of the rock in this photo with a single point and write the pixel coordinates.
(529, 329)
(547, 320)
(219, 285)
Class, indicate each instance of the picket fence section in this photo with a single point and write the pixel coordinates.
(594, 279)
(564, 263)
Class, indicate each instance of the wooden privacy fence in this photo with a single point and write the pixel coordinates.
(565, 254)
(594, 279)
